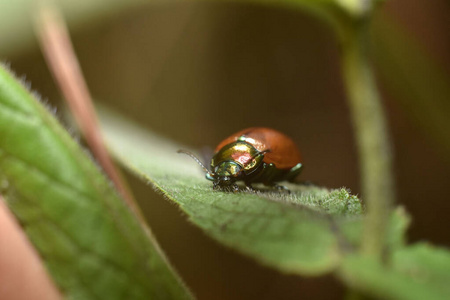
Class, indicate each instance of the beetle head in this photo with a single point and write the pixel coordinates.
(225, 174)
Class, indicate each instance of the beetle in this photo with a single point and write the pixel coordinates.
(253, 155)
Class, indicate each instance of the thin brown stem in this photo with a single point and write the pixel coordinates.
(60, 56)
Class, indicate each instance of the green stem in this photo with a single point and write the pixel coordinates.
(353, 295)
(373, 144)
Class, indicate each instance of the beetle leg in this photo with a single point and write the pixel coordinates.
(282, 188)
(294, 171)
(249, 187)
(278, 187)
(215, 185)
(270, 173)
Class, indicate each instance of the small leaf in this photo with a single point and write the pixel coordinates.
(92, 244)
(416, 272)
(305, 232)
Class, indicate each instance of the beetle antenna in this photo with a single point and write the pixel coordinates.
(195, 158)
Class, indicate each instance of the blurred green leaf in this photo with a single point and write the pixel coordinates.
(415, 273)
(420, 85)
(16, 18)
(305, 232)
(92, 244)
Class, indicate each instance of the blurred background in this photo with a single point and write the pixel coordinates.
(197, 72)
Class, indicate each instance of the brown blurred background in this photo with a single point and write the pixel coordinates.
(197, 72)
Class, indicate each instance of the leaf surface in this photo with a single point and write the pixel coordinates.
(416, 272)
(305, 232)
(92, 244)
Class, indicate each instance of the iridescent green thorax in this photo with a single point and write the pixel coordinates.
(236, 159)
(234, 162)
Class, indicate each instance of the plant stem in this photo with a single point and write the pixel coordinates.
(353, 295)
(61, 58)
(373, 144)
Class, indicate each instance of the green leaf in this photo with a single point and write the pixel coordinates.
(16, 19)
(16, 16)
(92, 244)
(416, 272)
(306, 232)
